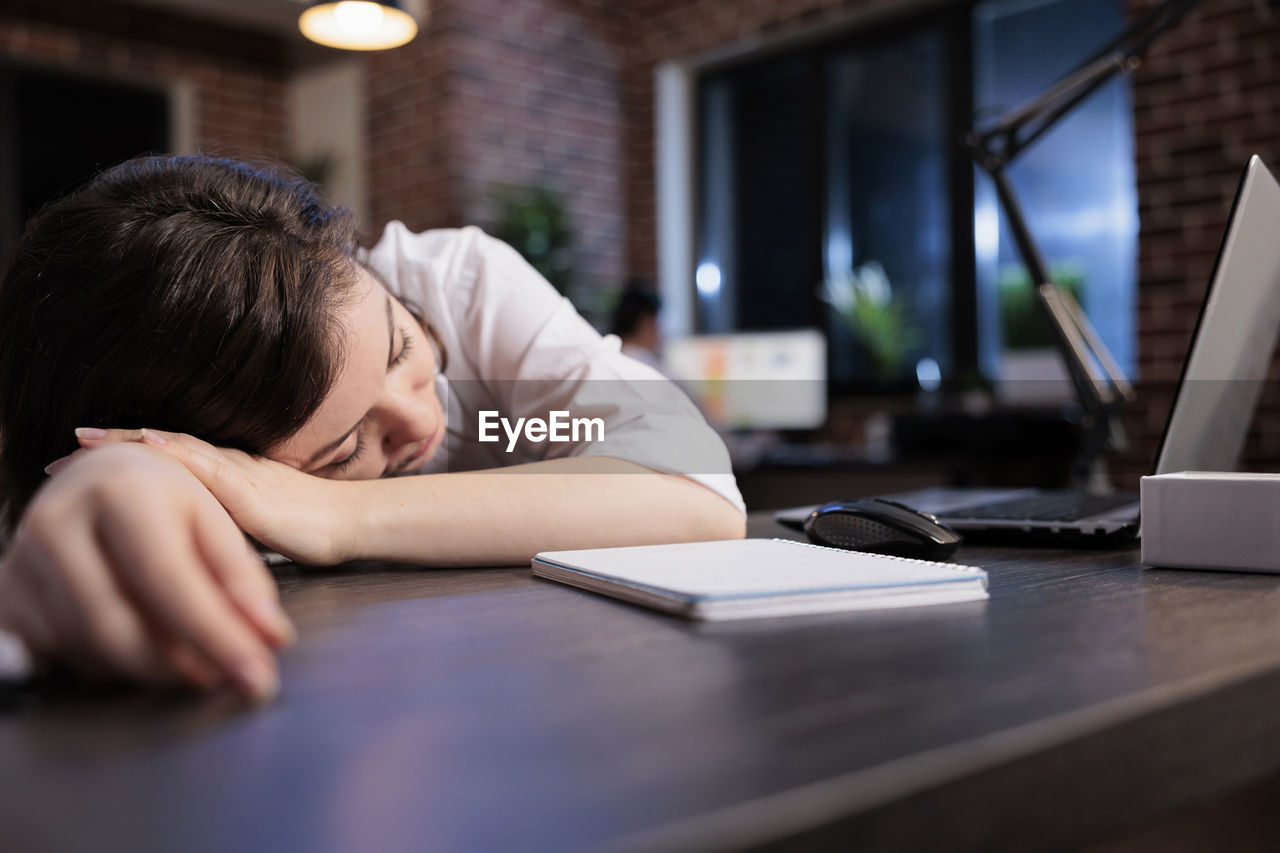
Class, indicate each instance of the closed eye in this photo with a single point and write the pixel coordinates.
(406, 347)
(344, 464)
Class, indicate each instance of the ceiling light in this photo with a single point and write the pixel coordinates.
(359, 24)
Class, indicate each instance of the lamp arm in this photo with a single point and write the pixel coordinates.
(1076, 86)
(1119, 382)
(1121, 54)
(1093, 397)
(996, 146)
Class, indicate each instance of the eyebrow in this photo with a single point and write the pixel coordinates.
(391, 350)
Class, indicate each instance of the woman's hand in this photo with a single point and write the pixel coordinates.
(298, 515)
(124, 565)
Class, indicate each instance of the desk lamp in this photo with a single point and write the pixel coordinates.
(994, 148)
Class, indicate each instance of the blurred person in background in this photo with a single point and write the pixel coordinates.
(635, 322)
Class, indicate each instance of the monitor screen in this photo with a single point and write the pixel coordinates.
(754, 380)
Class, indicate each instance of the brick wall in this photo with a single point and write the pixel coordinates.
(506, 91)
(410, 145)
(236, 78)
(537, 102)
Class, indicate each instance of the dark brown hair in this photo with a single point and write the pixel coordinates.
(190, 294)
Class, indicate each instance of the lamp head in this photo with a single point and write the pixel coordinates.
(359, 24)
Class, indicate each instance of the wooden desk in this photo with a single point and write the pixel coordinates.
(487, 710)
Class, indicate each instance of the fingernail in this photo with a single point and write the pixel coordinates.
(273, 616)
(153, 438)
(90, 433)
(56, 465)
(257, 679)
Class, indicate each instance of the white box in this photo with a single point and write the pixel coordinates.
(1211, 520)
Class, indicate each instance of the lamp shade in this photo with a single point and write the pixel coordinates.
(358, 24)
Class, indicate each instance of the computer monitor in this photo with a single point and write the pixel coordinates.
(754, 380)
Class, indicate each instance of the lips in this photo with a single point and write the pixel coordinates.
(417, 454)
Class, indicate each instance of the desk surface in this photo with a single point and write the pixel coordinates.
(484, 709)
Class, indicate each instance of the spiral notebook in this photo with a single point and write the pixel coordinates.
(744, 578)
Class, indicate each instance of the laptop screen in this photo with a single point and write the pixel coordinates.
(1234, 337)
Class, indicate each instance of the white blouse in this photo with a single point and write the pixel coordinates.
(516, 348)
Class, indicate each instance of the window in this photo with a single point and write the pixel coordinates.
(840, 163)
(1076, 185)
(760, 241)
(886, 215)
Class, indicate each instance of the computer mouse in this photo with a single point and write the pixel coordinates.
(881, 527)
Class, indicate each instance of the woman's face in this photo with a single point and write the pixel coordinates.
(382, 415)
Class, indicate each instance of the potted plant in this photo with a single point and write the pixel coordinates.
(877, 320)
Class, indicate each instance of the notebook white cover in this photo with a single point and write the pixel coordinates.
(740, 578)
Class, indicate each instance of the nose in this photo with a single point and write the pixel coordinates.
(409, 416)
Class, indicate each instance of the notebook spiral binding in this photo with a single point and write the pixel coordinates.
(960, 567)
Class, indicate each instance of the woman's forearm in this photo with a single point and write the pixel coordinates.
(504, 516)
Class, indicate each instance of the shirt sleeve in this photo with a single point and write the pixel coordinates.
(540, 359)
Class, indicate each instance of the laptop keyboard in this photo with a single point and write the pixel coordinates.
(1046, 506)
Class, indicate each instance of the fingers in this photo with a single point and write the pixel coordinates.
(91, 437)
(194, 667)
(233, 563)
(243, 576)
(81, 616)
(165, 574)
(18, 617)
(95, 437)
(82, 611)
(199, 457)
(125, 565)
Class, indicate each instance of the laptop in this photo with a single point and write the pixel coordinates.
(1222, 377)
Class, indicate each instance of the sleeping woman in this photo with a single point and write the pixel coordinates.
(194, 351)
